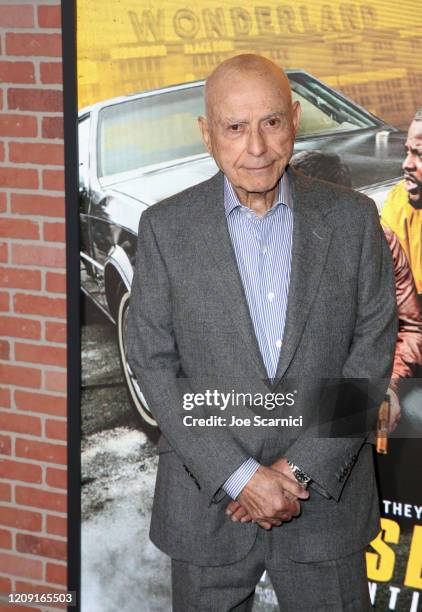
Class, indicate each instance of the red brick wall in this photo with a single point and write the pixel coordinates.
(32, 301)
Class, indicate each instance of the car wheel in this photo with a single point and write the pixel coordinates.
(135, 394)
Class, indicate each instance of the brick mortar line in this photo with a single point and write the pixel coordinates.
(29, 113)
(14, 435)
(32, 59)
(16, 216)
(38, 342)
(30, 217)
(37, 71)
(32, 241)
(42, 415)
(35, 292)
(30, 139)
(42, 511)
(53, 393)
(6, 153)
(60, 244)
(10, 264)
(16, 530)
(34, 366)
(30, 165)
(32, 316)
(28, 242)
(54, 59)
(13, 291)
(35, 29)
(34, 190)
(39, 125)
(31, 191)
(12, 351)
(38, 581)
(38, 486)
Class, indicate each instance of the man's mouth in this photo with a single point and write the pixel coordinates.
(258, 168)
(412, 183)
(413, 187)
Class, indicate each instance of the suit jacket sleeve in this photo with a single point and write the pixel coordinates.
(329, 461)
(210, 454)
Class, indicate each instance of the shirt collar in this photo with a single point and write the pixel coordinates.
(231, 201)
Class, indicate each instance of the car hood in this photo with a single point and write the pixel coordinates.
(156, 185)
(372, 156)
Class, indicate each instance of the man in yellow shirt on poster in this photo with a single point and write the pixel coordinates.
(402, 211)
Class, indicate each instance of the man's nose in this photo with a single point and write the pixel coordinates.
(256, 143)
(409, 162)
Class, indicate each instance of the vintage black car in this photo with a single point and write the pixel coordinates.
(137, 150)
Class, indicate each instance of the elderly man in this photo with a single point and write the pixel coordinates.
(402, 211)
(260, 280)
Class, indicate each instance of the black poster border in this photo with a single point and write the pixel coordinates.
(68, 15)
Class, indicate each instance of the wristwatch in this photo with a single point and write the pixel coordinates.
(300, 475)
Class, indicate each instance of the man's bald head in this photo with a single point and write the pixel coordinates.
(242, 67)
(250, 124)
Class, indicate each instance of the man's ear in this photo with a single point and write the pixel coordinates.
(296, 114)
(205, 131)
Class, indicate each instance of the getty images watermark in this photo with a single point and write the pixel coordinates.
(218, 399)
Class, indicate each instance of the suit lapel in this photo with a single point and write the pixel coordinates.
(224, 274)
(311, 239)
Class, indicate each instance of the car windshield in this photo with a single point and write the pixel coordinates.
(162, 128)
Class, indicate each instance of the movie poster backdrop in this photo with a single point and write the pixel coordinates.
(369, 52)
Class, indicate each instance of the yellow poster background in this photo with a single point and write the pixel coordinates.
(368, 50)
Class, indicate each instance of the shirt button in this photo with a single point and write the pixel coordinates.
(278, 343)
(248, 215)
(270, 296)
(264, 249)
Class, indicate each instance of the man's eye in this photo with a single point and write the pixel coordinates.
(235, 127)
(273, 122)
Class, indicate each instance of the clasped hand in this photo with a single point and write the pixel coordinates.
(270, 498)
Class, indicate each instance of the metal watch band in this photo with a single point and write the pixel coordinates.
(299, 474)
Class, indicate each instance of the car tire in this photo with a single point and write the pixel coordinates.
(135, 394)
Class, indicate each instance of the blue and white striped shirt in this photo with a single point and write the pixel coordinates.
(262, 246)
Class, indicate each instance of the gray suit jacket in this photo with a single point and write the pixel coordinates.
(189, 330)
